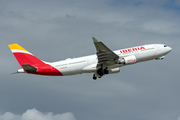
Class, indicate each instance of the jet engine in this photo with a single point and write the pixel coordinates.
(127, 60)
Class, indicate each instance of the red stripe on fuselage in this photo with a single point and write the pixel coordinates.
(43, 68)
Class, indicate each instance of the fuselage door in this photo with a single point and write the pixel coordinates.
(157, 49)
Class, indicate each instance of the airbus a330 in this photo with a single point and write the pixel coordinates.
(104, 62)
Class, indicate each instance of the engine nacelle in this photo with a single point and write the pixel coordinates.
(114, 70)
(127, 60)
(160, 58)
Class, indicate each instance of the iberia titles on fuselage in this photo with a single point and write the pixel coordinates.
(132, 49)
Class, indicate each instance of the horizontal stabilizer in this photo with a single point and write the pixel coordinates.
(29, 68)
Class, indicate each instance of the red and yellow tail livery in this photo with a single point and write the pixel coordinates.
(32, 64)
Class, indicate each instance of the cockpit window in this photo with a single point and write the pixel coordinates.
(165, 45)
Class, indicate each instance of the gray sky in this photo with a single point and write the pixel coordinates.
(58, 29)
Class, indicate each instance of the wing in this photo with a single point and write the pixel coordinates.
(104, 54)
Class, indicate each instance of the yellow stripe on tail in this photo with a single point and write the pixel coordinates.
(17, 47)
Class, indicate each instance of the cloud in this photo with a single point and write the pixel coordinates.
(33, 114)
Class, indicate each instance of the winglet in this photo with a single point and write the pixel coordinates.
(95, 40)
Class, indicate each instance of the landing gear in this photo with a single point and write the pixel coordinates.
(106, 71)
(100, 72)
(94, 77)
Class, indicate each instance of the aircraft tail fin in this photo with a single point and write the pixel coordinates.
(25, 58)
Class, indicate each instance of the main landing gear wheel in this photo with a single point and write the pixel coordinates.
(100, 72)
(94, 77)
(106, 71)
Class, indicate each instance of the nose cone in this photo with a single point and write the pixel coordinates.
(169, 49)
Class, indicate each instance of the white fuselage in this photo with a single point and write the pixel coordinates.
(87, 64)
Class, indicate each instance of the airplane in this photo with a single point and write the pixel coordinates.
(104, 62)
